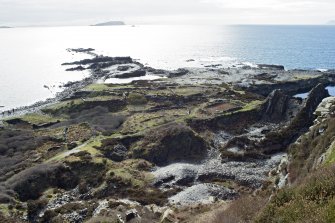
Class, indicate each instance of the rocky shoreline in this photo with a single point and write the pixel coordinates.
(154, 150)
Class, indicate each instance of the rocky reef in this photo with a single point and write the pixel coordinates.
(173, 149)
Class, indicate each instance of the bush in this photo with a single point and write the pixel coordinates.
(309, 149)
(12, 141)
(313, 200)
(98, 118)
(242, 210)
(30, 183)
(34, 207)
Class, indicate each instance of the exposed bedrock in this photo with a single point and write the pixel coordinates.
(279, 140)
(135, 73)
(102, 59)
(291, 87)
(275, 107)
(171, 143)
(281, 133)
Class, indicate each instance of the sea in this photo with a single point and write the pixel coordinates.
(31, 57)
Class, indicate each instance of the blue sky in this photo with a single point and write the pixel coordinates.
(82, 12)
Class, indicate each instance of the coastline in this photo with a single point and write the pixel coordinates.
(97, 76)
(192, 137)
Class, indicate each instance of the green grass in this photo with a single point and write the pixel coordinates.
(4, 209)
(136, 178)
(88, 147)
(331, 156)
(106, 87)
(144, 121)
(37, 119)
(252, 105)
(304, 76)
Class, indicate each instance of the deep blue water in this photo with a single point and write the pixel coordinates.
(306, 47)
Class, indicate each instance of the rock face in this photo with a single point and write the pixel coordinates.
(171, 144)
(326, 107)
(305, 117)
(290, 87)
(275, 106)
(279, 140)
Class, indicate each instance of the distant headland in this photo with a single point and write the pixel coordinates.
(5, 27)
(332, 22)
(111, 23)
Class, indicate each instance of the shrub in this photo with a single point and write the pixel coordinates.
(30, 183)
(34, 207)
(98, 118)
(242, 210)
(313, 200)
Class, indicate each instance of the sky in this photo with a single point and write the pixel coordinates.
(84, 12)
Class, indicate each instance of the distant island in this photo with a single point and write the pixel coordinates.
(111, 23)
(5, 27)
(332, 22)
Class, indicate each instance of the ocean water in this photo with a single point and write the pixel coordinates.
(31, 57)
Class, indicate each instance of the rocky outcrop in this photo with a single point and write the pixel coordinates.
(305, 117)
(135, 73)
(326, 107)
(234, 123)
(102, 61)
(272, 67)
(178, 73)
(291, 87)
(81, 50)
(170, 144)
(279, 140)
(275, 107)
(118, 153)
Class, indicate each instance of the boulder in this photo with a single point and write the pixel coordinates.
(118, 153)
(178, 73)
(172, 143)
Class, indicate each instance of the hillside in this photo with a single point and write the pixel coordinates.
(194, 145)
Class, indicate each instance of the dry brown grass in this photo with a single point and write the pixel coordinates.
(243, 210)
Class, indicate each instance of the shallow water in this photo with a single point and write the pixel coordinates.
(331, 91)
(31, 57)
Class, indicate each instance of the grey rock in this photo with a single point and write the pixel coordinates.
(275, 106)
